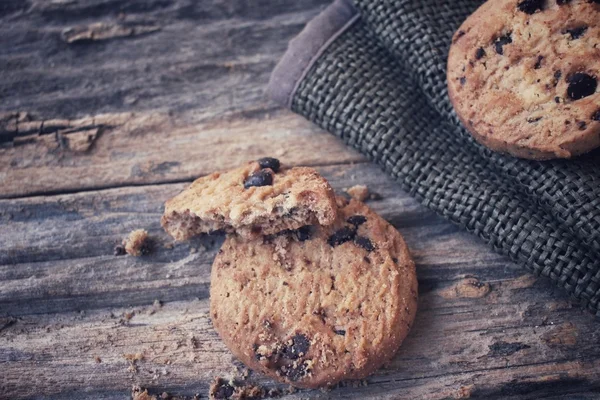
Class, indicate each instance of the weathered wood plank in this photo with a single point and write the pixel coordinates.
(106, 93)
(130, 149)
(483, 325)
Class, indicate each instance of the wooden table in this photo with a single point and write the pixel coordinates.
(112, 106)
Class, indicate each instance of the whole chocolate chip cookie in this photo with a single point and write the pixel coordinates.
(259, 198)
(314, 308)
(523, 76)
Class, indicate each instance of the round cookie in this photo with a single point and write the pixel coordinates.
(317, 305)
(523, 76)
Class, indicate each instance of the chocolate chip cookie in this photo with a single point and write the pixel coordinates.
(259, 198)
(523, 76)
(316, 305)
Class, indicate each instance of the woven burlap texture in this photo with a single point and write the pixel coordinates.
(380, 87)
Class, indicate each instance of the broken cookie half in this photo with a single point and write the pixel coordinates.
(259, 198)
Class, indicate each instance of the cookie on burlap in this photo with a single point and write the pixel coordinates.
(317, 305)
(259, 198)
(523, 76)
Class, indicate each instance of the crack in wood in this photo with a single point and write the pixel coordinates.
(107, 30)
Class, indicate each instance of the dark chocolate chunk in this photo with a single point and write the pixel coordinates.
(538, 63)
(364, 242)
(269, 162)
(395, 260)
(259, 178)
(501, 42)
(576, 33)
(581, 85)
(531, 6)
(557, 99)
(119, 250)
(223, 390)
(357, 220)
(582, 125)
(298, 348)
(304, 233)
(343, 235)
(463, 80)
(480, 53)
(340, 332)
(596, 115)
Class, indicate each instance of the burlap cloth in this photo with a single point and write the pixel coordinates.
(372, 72)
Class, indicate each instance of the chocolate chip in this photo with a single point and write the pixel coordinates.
(357, 220)
(119, 250)
(480, 53)
(533, 120)
(269, 162)
(223, 390)
(304, 233)
(531, 6)
(538, 63)
(581, 85)
(340, 332)
(343, 235)
(576, 33)
(582, 125)
(259, 178)
(298, 348)
(557, 99)
(462, 80)
(596, 115)
(501, 41)
(364, 242)
(395, 260)
(458, 35)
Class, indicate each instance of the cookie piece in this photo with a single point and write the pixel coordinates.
(258, 198)
(136, 243)
(523, 76)
(312, 310)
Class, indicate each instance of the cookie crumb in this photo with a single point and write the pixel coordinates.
(137, 243)
(220, 389)
(137, 393)
(358, 192)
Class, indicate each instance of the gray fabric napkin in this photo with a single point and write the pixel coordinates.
(372, 72)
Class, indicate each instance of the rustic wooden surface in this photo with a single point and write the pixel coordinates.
(111, 106)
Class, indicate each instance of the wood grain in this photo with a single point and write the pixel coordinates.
(106, 93)
(70, 303)
(109, 107)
